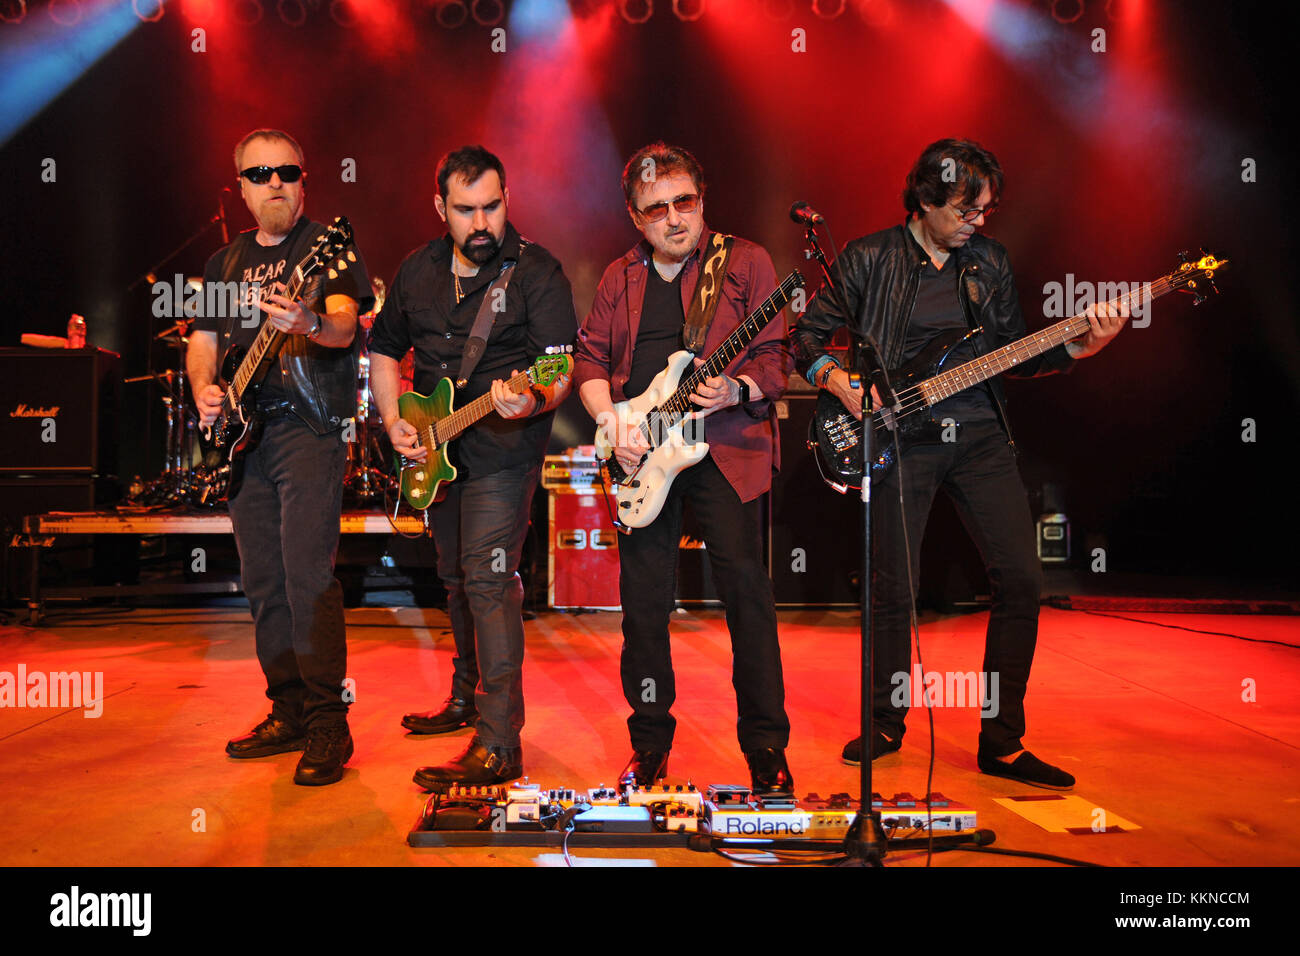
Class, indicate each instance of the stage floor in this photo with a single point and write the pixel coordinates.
(1155, 720)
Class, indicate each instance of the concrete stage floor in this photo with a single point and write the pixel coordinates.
(1151, 720)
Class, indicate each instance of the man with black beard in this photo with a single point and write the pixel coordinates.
(479, 527)
(286, 510)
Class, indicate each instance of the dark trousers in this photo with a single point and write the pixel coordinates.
(979, 473)
(286, 521)
(479, 530)
(647, 586)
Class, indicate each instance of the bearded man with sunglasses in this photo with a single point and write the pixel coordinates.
(638, 319)
(904, 286)
(286, 510)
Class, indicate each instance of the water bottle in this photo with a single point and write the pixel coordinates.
(76, 332)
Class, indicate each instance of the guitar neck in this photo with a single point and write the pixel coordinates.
(968, 374)
(268, 338)
(679, 404)
(462, 418)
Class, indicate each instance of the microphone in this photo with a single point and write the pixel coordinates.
(805, 214)
(221, 213)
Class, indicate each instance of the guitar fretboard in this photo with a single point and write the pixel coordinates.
(449, 428)
(669, 412)
(968, 374)
(268, 337)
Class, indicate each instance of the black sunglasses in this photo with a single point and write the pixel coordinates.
(261, 175)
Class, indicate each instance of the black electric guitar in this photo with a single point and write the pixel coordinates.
(836, 436)
(238, 427)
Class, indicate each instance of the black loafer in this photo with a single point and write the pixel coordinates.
(645, 768)
(769, 774)
(478, 766)
(328, 749)
(881, 745)
(455, 714)
(271, 736)
(1027, 769)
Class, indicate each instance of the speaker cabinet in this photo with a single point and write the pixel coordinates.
(59, 410)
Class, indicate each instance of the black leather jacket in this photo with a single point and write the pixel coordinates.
(878, 276)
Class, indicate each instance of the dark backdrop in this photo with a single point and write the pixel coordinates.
(1115, 160)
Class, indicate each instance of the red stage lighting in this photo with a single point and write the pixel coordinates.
(688, 10)
(636, 11)
(487, 13)
(13, 11)
(149, 11)
(1067, 11)
(65, 12)
(248, 12)
(292, 12)
(828, 9)
(451, 14)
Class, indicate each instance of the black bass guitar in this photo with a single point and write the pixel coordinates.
(238, 427)
(836, 436)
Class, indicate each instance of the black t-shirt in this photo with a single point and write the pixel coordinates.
(659, 333)
(938, 310)
(264, 270)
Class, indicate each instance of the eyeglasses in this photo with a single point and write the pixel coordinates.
(659, 210)
(261, 175)
(970, 215)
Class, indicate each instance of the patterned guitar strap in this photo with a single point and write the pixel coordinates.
(704, 301)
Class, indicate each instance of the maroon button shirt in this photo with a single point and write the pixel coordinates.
(742, 439)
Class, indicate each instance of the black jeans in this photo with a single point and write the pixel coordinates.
(979, 474)
(286, 520)
(479, 530)
(647, 586)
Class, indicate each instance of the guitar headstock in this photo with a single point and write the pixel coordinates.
(1196, 275)
(551, 366)
(326, 251)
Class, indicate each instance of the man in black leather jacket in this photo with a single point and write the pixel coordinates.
(904, 287)
(286, 510)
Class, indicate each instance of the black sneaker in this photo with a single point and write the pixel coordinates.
(328, 749)
(852, 753)
(1027, 769)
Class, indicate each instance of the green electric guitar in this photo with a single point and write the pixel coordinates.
(438, 425)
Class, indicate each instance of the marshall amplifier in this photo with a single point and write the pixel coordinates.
(58, 411)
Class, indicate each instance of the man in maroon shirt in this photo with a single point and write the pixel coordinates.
(636, 322)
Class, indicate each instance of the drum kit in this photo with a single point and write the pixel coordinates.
(191, 478)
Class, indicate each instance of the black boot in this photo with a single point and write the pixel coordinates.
(328, 749)
(769, 774)
(477, 766)
(455, 714)
(881, 745)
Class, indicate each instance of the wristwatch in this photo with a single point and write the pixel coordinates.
(315, 329)
(744, 391)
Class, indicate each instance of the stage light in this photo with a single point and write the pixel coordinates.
(248, 12)
(828, 10)
(876, 13)
(65, 12)
(292, 12)
(1067, 11)
(341, 12)
(487, 13)
(149, 11)
(636, 11)
(451, 14)
(13, 11)
(778, 9)
(688, 10)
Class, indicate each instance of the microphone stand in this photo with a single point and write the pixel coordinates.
(865, 844)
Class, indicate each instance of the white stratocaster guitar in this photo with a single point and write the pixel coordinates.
(663, 413)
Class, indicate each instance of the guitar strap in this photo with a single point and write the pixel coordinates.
(707, 295)
(487, 313)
